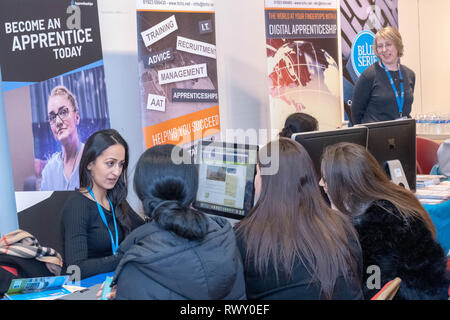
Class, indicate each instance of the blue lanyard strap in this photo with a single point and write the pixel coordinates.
(401, 99)
(114, 244)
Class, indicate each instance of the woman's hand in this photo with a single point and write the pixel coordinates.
(109, 296)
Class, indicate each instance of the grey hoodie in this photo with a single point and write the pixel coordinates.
(158, 264)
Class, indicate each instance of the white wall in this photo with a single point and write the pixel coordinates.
(242, 65)
(424, 26)
(435, 51)
(409, 28)
(119, 44)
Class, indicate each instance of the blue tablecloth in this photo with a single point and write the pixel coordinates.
(98, 278)
(440, 215)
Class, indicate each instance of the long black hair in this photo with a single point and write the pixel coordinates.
(94, 147)
(167, 191)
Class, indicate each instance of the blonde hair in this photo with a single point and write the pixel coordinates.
(389, 33)
(63, 91)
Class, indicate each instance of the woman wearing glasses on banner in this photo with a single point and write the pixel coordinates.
(61, 171)
(385, 90)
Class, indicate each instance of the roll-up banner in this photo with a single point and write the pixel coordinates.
(302, 56)
(53, 88)
(360, 21)
(177, 71)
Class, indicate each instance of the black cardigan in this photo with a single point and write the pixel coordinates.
(401, 248)
(87, 242)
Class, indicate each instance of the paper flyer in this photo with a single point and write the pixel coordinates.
(37, 288)
(177, 71)
(302, 61)
(54, 88)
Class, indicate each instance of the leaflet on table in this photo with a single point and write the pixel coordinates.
(430, 201)
(430, 179)
(37, 288)
(443, 194)
(177, 71)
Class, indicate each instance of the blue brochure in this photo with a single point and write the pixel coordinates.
(37, 288)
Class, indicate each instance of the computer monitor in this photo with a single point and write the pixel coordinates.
(315, 142)
(226, 178)
(394, 140)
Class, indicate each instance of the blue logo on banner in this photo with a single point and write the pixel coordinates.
(363, 54)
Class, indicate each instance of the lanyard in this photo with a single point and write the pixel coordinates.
(400, 100)
(114, 244)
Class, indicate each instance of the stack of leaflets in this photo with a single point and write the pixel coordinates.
(37, 288)
(423, 180)
(437, 192)
(430, 201)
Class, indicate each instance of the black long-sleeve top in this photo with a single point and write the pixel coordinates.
(87, 242)
(373, 96)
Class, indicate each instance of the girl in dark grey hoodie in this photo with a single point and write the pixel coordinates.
(181, 253)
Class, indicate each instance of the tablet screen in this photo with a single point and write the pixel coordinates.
(226, 178)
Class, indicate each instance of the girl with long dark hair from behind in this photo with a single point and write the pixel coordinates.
(181, 253)
(395, 232)
(293, 245)
(97, 217)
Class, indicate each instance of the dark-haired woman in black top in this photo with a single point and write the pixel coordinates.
(97, 217)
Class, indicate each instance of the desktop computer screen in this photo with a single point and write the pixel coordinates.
(394, 140)
(315, 142)
(226, 178)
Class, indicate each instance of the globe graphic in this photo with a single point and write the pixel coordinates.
(303, 78)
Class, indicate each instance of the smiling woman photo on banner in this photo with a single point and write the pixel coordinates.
(65, 112)
(61, 171)
(385, 90)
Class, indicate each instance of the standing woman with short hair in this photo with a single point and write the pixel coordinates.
(385, 90)
(395, 232)
(97, 217)
(293, 245)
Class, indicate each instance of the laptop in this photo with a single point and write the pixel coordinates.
(226, 178)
